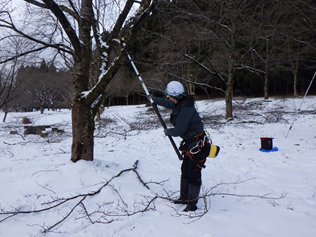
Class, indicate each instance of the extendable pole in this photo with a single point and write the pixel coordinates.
(310, 84)
(153, 104)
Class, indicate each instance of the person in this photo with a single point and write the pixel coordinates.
(188, 125)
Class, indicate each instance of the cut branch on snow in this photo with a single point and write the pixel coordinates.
(82, 197)
(211, 192)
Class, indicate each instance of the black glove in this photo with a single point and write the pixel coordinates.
(165, 131)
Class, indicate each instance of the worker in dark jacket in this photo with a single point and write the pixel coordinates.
(187, 125)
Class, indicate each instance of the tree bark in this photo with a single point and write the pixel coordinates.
(229, 92)
(82, 117)
(266, 85)
(295, 72)
(266, 69)
(82, 129)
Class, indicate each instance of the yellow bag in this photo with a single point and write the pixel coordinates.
(214, 150)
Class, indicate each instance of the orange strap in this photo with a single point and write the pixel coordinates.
(199, 134)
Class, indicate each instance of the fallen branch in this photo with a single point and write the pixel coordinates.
(104, 215)
(210, 192)
(57, 223)
(80, 203)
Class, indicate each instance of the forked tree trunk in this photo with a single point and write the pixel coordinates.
(82, 27)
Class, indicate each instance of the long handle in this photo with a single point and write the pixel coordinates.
(154, 105)
(299, 108)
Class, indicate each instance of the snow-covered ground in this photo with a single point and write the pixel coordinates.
(246, 192)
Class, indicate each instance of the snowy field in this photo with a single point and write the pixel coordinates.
(246, 192)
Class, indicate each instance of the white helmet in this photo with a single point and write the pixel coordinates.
(175, 89)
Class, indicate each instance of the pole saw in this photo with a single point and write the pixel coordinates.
(299, 108)
(153, 104)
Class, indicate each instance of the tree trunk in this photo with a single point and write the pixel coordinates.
(229, 93)
(295, 72)
(191, 89)
(42, 109)
(266, 75)
(82, 129)
(82, 116)
(266, 86)
(87, 96)
(295, 85)
(127, 95)
(5, 116)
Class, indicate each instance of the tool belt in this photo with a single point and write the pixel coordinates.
(195, 138)
(199, 141)
(203, 145)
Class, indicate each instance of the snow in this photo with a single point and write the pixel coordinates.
(248, 192)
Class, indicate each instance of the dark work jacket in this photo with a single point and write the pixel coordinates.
(184, 117)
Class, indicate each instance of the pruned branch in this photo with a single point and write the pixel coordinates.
(104, 215)
(65, 217)
(207, 193)
(80, 203)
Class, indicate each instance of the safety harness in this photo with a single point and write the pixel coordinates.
(200, 141)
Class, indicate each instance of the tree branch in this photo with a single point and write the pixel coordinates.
(188, 81)
(73, 12)
(82, 197)
(51, 4)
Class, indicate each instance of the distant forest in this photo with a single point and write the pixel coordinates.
(217, 49)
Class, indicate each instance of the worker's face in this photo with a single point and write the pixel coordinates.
(173, 99)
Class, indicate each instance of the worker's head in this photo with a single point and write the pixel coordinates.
(175, 89)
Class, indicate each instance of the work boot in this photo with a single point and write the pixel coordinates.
(180, 201)
(193, 196)
(184, 186)
(190, 207)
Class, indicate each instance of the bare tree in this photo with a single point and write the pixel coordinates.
(76, 30)
(300, 37)
(212, 44)
(8, 88)
(268, 46)
(209, 41)
(43, 87)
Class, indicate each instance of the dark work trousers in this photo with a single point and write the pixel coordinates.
(191, 170)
